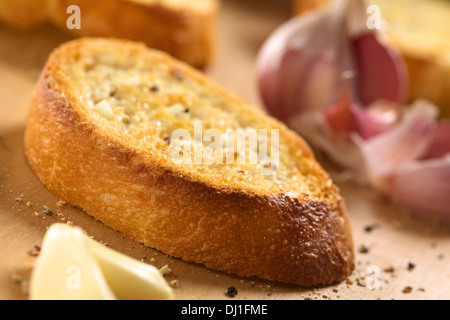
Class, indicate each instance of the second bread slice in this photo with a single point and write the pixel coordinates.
(184, 29)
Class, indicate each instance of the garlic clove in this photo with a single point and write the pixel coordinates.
(422, 187)
(338, 146)
(440, 142)
(377, 118)
(65, 270)
(308, 62)
(405, 142)
(410, 163)
(340, 117)
(381, 71)
(348, 117)
(300, 66)
(128, 278)
(72, 266)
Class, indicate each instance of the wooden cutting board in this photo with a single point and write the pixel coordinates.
(410, 256)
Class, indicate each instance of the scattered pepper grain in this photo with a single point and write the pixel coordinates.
(370, 228)
(389, 269)
(363, 249)
(232, 292)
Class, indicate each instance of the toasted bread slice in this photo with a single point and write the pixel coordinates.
(99, 134)
(184, 29)
(420, 29)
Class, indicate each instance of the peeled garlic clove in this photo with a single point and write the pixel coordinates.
(128, 278)
(382, 72)
(65, 270)
(72, 266)
(422, 187)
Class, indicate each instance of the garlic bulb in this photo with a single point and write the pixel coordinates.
(343, 88)
(310, 61)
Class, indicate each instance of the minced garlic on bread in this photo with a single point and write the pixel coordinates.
(98, 135)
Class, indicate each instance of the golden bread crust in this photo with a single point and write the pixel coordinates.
(244, 231)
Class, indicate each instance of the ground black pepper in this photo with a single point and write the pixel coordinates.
(232, 292)
(370, 228)
(363, 249)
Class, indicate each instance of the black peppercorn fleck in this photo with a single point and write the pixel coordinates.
(232, 292)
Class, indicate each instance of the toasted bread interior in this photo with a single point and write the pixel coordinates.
(143, 96)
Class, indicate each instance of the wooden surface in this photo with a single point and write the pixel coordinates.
(396, 241)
